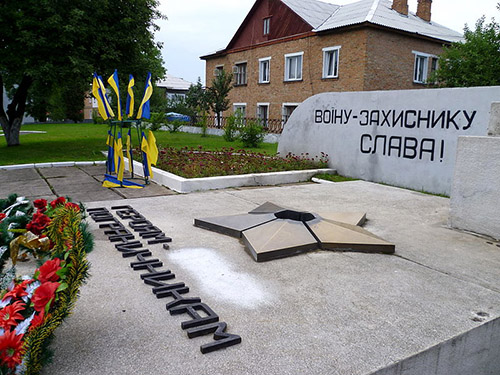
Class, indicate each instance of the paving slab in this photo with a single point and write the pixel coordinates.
(151, 190)
(62, 172)
(94, 170)
(25, 187)
(102, 194)
(26, 174)
(323, 312)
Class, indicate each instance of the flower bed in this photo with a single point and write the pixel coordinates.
(32, 307)
(194, 163)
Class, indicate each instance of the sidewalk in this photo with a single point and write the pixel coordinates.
(81, 183)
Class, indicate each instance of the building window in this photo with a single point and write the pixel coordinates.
(240, 74)
(264, 70)
(331, 62)
(263, 113)
(293, 66)
(421, 69)
(218, 69)
(288, 109)
(240, 108)
(267, 25)
(434, 64)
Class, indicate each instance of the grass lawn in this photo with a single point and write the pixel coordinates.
(84, 142)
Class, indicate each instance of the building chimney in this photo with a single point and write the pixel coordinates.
(424, 9)
(400, 6)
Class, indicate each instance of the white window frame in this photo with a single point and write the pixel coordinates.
(422, 60)
(298, 72)
(284, 118)
(266, 119)
(261, 70)
(327, 52)
(217, 69)
(237, 74)
(242, 106)
(266, 26)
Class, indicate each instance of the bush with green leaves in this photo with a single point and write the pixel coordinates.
(173, 126)
(156, 121)
(233, 124)
(252, 134)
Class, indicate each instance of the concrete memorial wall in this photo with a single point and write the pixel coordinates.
(405, 138)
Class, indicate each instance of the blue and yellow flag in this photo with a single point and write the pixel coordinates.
(100, 94)
(130, 97)
(153, 149)
(113, 82)
(110, 141)
(148, 172)
(112, 182)
(129, 150)
(119, 160)
(103, 97)
(143, 111)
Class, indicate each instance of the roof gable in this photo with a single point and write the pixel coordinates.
(284, 22)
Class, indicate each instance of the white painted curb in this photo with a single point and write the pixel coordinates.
(55, 165)
(188, 185)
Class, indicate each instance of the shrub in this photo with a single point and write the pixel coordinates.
(233, 124)
(96, 118)
(156, 121)
(174, 125)
(252, 134)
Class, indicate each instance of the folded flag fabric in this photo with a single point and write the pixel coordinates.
(153, 149)
(120, 162)
(129, 111)
(146, 158)
(112, 182)
(110, 141)
(113, 82)
(129, 151)
(144, 110)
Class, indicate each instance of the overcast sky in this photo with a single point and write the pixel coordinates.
(198, 27)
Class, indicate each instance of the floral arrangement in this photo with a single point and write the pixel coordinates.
(192, 163)
(32, 307)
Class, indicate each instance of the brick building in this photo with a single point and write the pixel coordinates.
(288, 50)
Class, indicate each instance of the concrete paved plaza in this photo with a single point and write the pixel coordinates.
(81, 183)
(432, 308)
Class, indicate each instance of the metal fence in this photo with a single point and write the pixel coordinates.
(274, 126)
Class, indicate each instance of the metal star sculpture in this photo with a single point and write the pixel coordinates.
(271, 232)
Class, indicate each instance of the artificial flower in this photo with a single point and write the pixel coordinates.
(22, 327)
(38, 223)
(48, 270)
(10, 314)
(40, 204)
(37, 320)
(73, 205)
(57, 202)
(44, 294)
(18, 290)
(2, 216)
(11, 349)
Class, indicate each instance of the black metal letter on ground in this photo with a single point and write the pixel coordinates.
(201, 324)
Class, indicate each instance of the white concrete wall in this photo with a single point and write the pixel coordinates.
(476, 352)
(365, 137)
(475, 195)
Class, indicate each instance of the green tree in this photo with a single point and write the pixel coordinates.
(473, 62)
(218, 92)
(56, 45)
(196, 98)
